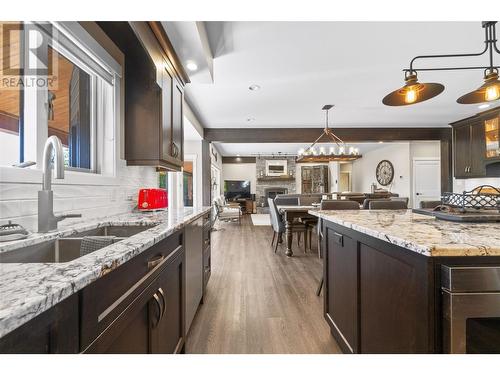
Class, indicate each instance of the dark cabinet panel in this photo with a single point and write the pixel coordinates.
(462, 151)
(177, 121)
(168, 332)
(166, 115)
(53, 331)
(477, 150)
(152, 320)
(341, 301)
(153, 98)
(394, 308)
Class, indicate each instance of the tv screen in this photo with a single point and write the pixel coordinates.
(236, 189)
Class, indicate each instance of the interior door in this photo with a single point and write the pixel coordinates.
(426, 181)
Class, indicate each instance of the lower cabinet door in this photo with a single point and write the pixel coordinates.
(341, 301)
(167, 335)
(132, 331)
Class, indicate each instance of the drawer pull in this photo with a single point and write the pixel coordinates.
(162, 294)
(338, 238)
(155, 261)
(160, 309)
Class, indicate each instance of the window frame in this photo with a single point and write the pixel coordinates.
(106, 138)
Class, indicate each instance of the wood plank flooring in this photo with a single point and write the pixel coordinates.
(258, 301)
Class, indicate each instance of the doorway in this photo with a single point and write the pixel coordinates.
(426, 180)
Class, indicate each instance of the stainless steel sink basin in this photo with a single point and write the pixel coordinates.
(67, 248)
(114, 230)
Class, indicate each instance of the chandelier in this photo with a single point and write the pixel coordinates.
(415, 92)
(337, 152)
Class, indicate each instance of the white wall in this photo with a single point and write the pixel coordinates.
(244, 171)
(363, 170)
(460, 185)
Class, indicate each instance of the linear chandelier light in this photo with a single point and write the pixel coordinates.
(311, 155)
(415, 92)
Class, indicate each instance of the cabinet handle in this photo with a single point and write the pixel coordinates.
(162, 294)
(154, 262)
(160, 309)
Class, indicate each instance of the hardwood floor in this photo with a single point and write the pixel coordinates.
(258, 301)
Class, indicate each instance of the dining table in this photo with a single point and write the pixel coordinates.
(289, 214)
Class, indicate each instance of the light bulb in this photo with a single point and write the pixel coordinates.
(492, 93)
(351, 150)
(341, 150)
(322, 150)
(410, 95)
(301, 151)
(332, 150)
(356, 151)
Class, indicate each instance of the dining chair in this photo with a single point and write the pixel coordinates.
(278, 226)
(339, 205)
(332, 205)
(388, 205)
(366, 202)
(286, 201)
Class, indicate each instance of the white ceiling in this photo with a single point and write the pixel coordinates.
(303, 65)
(254, 149)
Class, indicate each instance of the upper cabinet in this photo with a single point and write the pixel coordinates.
(154, 94)
(476, 151)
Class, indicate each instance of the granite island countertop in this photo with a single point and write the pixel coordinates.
(28, 289)
(422, 234)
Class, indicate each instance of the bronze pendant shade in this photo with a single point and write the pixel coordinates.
(413, 92)
(489, 91)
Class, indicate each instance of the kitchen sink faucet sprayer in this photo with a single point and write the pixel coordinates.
(47, 221)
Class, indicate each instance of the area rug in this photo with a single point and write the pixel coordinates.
(261, 219)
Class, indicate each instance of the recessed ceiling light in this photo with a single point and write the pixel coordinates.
(191, 65)
(249, 119)
(254, 87)
(482, 106)
(238, 155)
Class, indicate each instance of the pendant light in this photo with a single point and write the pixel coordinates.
(414, 92)
(488, 92)
(310, 155)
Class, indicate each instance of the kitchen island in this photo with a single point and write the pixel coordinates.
(85, 303)
(382, 275)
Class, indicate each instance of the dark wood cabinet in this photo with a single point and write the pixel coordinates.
(207, 252)
(382, 298)
(475, 144)
(153, 96)
(54, 331)
(341, 303)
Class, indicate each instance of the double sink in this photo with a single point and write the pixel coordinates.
(68, 248)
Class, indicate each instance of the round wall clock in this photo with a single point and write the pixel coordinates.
(385, 172)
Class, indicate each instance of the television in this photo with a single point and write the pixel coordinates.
(237, 189)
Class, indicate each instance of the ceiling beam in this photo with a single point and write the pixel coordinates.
(305, 135)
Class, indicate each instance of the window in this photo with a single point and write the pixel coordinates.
(11, 98)
(77, 102)
(70, 115)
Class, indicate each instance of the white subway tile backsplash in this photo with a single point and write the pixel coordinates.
(18, 201)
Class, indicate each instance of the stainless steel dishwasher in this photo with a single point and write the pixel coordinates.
(471, 309)
(194, 268)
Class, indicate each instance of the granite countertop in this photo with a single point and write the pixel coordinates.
(422, 234)
(28, 289)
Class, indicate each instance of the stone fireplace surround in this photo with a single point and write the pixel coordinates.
(262, 188)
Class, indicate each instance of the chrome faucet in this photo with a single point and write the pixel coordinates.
(47, 221)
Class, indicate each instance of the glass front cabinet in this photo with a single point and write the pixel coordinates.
(491, 137)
